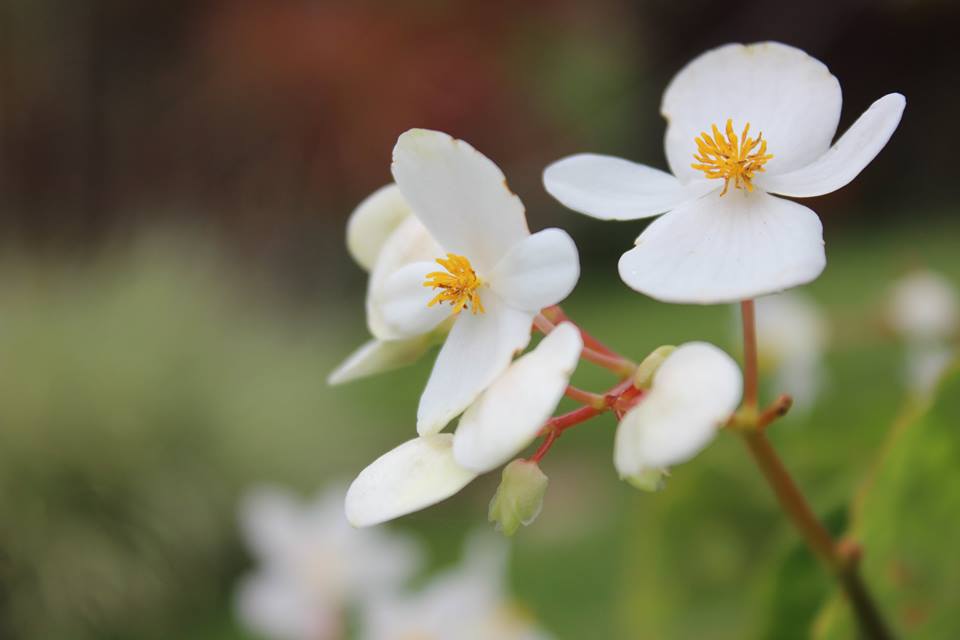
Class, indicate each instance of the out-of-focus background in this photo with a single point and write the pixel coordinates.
(174, 288)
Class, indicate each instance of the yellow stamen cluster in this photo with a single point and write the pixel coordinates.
(726, 157)
(458, 284)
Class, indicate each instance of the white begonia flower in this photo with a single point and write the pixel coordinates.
(792, 336)
(501, 423)
(467, 602)
(924, 307)
(693, 393)
(311, 565)
(382, 237)
(490, 273)
(743, 122)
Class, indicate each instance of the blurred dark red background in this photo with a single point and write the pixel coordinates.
(265, 122)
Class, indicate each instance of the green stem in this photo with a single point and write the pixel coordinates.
(793, 502)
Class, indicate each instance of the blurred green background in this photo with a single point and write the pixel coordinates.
(174, 182)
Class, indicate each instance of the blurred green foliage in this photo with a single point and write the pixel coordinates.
(142, 391)
(906, 518)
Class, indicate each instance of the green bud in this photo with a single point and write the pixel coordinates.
(643, 377)
(651, 480)
(519, 497)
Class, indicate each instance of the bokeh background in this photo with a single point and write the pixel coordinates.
(174, 182)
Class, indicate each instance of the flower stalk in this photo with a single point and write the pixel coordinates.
(843, 566)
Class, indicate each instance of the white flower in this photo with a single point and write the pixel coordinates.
(743, 122)
(312, 565)
(467, 602)
(924, 307)
(502, 422)
(382, 237)
(693, 393)
(791, 338)
(490, 273)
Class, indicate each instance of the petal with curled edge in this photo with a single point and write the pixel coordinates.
(507, 417)
(372, 222)
(479, 348)
(419, 473)
(844, 161)
(539, 271)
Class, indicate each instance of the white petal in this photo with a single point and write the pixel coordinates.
(478, 349)
(372, 222)
(378, 356)
(693, 393)
(781, 91)
(409, 243)
(844, 161)
(461, 196)
(509, 414)
(726, 249)
(539, 271)
(403, 301)
(611, 188)
(415, 475)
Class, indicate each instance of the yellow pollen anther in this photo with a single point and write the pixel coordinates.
(724, 156)
(458, 284)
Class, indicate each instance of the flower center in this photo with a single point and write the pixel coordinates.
(458, 284)
(724, 156)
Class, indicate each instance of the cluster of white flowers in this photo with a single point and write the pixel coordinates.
(451, 260)
(314, 571)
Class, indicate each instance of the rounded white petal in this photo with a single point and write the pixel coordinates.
(372, 222)
(478, 349)
(460, 195)
(409, 243)
(509, 414)
(693, 393)
(726, 249)
(539, 271)
(924, 306)
(611, 188)
(378, 356)
(844, 161)
(419, 473)
(782, 92)
(403, 301)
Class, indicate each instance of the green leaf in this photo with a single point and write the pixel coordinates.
(907, 519)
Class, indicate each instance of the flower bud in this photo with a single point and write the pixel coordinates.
(651, 480)
(643, 377)
(519, 497)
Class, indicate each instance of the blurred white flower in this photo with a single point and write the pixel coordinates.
(382, 237)
(311, 565)
(501, 423)
(924, 309)
(495, 275)
(467, 602)
(792, 336)
(742, 122)
(692, 394)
